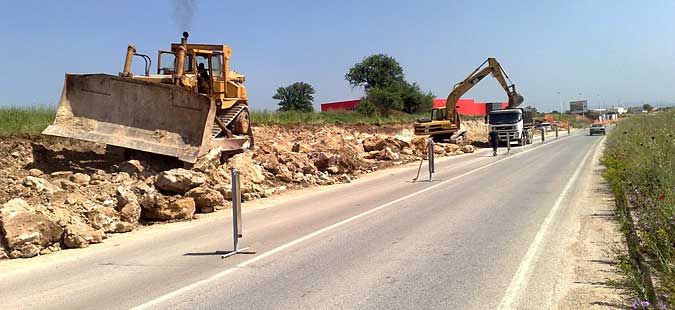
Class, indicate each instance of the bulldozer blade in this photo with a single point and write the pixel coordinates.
(135, 114)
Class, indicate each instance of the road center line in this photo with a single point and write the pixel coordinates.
(285, 246)
(522, 276)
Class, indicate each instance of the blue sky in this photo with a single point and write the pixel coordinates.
(612, 52)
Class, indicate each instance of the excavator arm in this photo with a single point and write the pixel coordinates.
(494, 68)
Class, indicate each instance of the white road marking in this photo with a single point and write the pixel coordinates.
(522, 276)
(285, 246)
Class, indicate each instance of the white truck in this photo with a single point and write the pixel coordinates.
(511, 125)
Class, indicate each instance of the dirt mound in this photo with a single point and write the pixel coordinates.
(60, 193)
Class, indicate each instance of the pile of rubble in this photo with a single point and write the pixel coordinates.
(59, 193)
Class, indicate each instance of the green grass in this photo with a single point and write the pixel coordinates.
(640, 168)
(30, 120)
(338, 117)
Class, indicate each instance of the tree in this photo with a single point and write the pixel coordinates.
(295, 97)
(555, 112)
(414, 101)
(647, 107)
(381, 100)
(377, 70)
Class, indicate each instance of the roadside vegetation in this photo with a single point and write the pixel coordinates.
(25, 120)
(640, 162)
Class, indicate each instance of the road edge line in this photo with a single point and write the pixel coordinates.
(521, 277)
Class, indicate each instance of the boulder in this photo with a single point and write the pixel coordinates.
(388, 154)
(171, 208)
(80, 236)
(125, 196)
(132, 167)
(179, 180)
(468, 148)
(451, 147)
(206, 199)
(270, 163)
(26, 232)
(438, 149)
(123, 227)
(249, 171)
(80, 178)
(40, 185)
(130, 213)
(419, 145)
(35, 172)
(104, 218)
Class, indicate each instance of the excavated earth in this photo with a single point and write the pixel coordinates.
(59, 193)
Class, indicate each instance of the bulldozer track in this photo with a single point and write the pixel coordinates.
(226, 116)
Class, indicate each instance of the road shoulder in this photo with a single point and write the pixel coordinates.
(594, 268)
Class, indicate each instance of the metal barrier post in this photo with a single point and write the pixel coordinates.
(568, 129)
(508, 143)
(543, 134)
(430, 152)
(556, 132)
(236, 217)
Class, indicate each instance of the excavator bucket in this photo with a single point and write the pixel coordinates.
(135, 114)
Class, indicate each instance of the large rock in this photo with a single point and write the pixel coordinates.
(206, 199)
(130, 213)
(80, 236)
(40, 185)
(157, 207)
(388, 154)
(132, 167)
(104, 218)
(80, 178)
(249, 170)
(26, 232)
(125, 196)
(468, 148)
(451, 148)
(179, 180)
(419, 145)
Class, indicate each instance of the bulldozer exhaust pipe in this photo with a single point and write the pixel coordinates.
(131, 50)
(180, 63)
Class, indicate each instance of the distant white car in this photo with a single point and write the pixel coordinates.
(597, 128)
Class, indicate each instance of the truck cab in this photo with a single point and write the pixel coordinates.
(511, 125)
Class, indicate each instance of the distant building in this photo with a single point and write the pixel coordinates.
(617, 110)
(464, 106)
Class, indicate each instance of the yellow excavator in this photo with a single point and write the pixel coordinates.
(445, 122)
(192, 105)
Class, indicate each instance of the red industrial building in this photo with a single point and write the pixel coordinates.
(464, 106)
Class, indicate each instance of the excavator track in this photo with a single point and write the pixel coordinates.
(226, 116)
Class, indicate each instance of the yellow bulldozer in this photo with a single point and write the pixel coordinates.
(192, 105)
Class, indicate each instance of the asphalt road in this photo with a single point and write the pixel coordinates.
(486, 233)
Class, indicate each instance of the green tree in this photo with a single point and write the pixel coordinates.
(414, 100)
(377, 70)
(381, 100)
(647, 107)
(295, 97)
